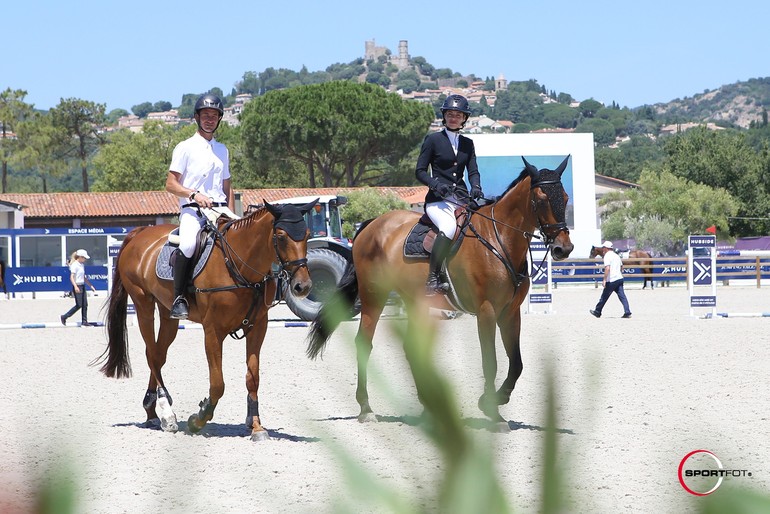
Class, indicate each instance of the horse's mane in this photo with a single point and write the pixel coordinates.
(244, 220)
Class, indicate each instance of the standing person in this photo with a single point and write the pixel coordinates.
(612, 280)
(79, 280)
(449, 155)
(199, 175)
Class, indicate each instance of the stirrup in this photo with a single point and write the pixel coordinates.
(434, 285)
(179, 309)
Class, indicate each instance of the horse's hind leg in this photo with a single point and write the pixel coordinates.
(157, 401)
(372, 305)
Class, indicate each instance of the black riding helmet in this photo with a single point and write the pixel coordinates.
(209, 101)
(455, 103)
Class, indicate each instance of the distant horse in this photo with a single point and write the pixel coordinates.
(232, 292)
(636, 258)
(489, 275)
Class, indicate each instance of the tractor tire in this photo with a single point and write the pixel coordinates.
(326, 269)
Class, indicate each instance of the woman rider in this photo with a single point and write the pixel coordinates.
(448, 155)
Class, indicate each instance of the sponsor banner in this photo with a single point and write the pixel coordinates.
(703, 301)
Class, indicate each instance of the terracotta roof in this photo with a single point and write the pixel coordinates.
(411, 195)
(91, 205)
(161, 203)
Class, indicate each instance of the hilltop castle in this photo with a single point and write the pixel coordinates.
(372, 52)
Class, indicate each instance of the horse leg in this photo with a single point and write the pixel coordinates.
(254, 340)
(485, 323)
(371, 309)
(213, 345)
(157, 401)
(510, 331)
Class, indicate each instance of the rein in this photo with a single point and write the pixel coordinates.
(507, 260)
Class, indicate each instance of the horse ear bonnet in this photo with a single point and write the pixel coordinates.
(291, 220)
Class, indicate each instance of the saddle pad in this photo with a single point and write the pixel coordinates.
(413, 244)
(163, 268)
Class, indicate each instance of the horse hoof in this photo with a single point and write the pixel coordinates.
(169, 425)
(193, 424)
(166, 415)
(260, 435)
(367, 417)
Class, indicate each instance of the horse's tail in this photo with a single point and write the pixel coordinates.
(333, 311)
(116, 359)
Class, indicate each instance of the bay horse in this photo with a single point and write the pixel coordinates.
(489, 275)
(637, 259)
(232, 292)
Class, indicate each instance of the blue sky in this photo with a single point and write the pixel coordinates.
(126, 53)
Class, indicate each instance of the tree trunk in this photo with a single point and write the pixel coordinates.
(84, 170)
(311, 173)
(350, 180)
(5, 177)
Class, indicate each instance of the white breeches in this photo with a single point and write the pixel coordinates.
(442, 214)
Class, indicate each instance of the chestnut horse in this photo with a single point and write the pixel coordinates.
(232, 292)
(489, 275)
(637, 259)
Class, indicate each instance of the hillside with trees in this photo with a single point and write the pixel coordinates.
(339, 127)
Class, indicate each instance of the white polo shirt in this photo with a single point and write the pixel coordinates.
(77, 269)
(204, 166)
(615, 263)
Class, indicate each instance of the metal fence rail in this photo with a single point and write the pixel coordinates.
(664, 269)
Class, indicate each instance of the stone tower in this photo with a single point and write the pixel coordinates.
(501, 83)
(402, 61)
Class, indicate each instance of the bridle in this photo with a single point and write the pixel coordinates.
(281, 271)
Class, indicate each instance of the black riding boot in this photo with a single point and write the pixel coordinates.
(181, 266)
(437, 256)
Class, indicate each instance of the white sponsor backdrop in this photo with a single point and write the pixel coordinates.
(499, 157)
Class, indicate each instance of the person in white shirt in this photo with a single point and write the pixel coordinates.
(199, 175)
(79, 280)
(612, 280)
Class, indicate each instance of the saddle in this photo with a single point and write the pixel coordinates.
(419, 241)
(164, 264)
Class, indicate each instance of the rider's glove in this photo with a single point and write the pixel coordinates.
(443, 190)
(476, 192)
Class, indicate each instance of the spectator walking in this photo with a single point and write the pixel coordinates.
(79, 281)
(612, 280)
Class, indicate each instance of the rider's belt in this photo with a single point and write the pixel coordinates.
(214, 204)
